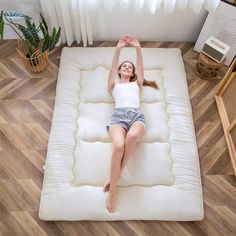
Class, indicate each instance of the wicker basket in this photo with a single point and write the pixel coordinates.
(37, 63)
(208, 68)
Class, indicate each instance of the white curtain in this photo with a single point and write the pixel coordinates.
(73, 16)
(152, 5)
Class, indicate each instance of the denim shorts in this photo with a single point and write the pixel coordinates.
(125, 117)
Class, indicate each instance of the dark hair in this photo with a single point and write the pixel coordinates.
(134, 77)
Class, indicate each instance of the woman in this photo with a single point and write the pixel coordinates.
(127, 123)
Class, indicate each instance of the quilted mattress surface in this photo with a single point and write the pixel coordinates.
(162, 178)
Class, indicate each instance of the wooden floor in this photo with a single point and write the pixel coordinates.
(26, 108)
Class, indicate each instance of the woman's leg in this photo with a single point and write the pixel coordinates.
(117, 134)
(135, 132)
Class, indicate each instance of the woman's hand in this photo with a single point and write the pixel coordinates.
(133, 41)
(128, 40)
(122, 42)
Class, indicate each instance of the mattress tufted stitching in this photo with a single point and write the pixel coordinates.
(166, 105)
(76, 130)
(77, 127)
(74, 180)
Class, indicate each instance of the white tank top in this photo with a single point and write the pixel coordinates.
(126, 94)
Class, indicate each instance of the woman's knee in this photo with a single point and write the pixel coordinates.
(119, 147)
(131, 136)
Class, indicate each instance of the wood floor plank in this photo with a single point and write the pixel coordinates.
(215, 196)
(222, 165)
(73, 228)
(122, 228)
(10, 226)
(28, 223)
(214, 153)
(104, 228)
(50, 227)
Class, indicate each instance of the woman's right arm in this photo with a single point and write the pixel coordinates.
(113, 71)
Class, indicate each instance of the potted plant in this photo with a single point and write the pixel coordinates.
(35, 42)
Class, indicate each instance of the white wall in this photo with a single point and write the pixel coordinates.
(178, 26)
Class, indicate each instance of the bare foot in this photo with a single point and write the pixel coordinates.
(106, 186)
(111, 201)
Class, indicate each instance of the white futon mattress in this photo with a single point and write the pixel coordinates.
(162, 179)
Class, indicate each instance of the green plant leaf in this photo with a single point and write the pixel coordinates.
(51, 41)
(1, 25)
(29, 48)
(54, 38)
(27, 22)
(46, 43)
(43, 30)
(30, 34)
(44, 22)
(11, 14)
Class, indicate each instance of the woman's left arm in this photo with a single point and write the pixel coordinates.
(140, 73)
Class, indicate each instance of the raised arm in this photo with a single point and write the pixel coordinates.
(113, 72)
(139, 67)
